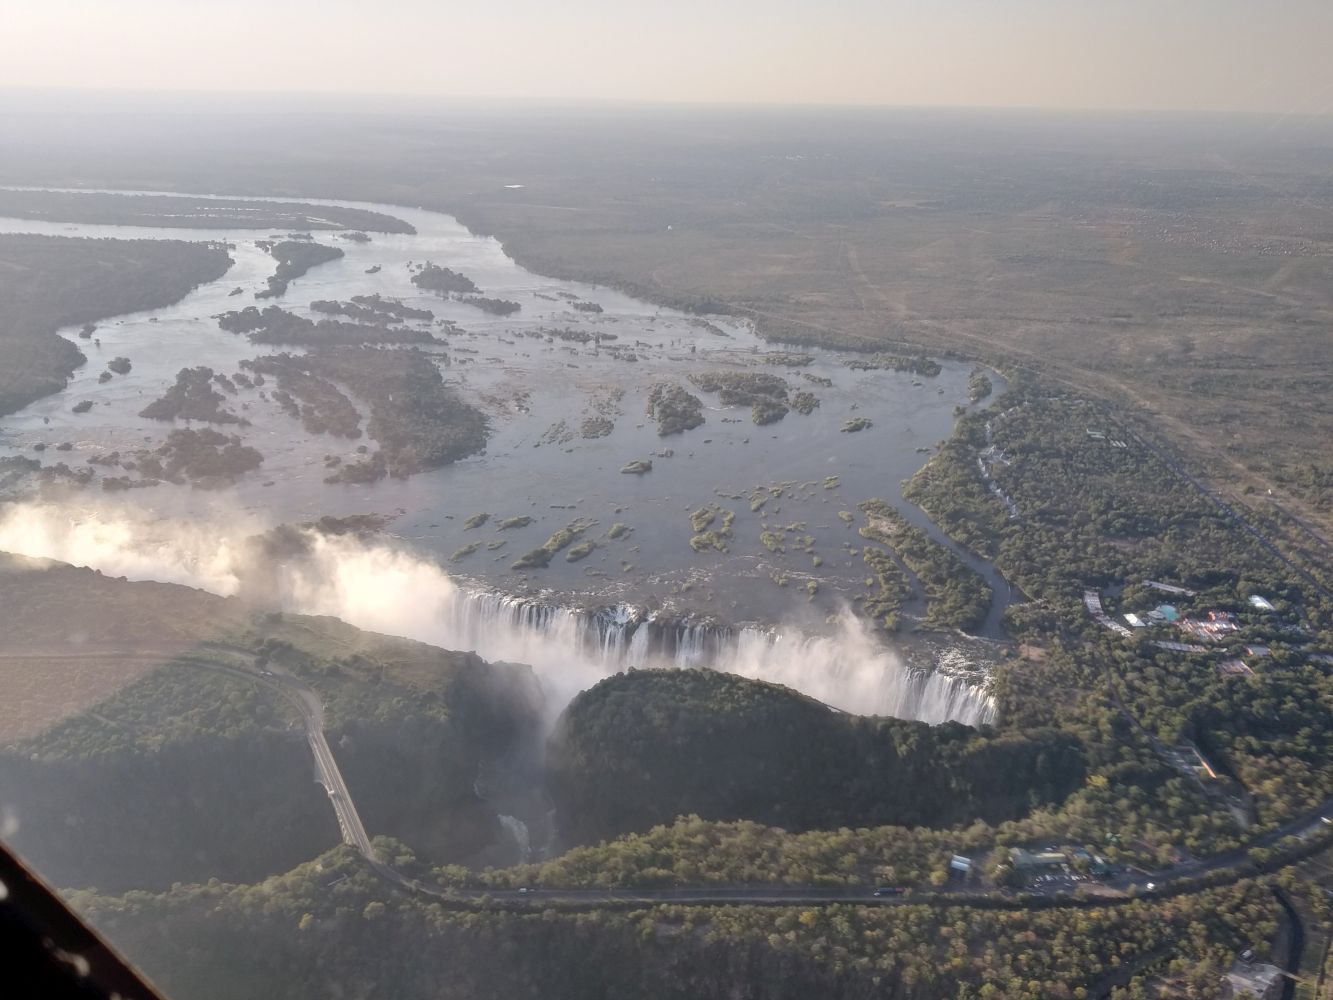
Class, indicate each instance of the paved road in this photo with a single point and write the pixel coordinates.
(1295, 943)
(312, 713)
(311, 709)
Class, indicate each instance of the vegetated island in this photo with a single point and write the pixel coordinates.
(978, 386)
(295, 258)
(418, 421)
(275, 325)
(765, 394)
(561, 539)
(956, 595)
(59, 281)
(443, 280)
(320, 405)
(675, 409)
(371, 309)
(187, 212)
(194, 397)
(496, 307)
(203, 458)
(926, 367)
(461, 288)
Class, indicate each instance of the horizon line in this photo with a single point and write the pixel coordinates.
(457, 101)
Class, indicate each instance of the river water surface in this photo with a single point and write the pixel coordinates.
(537, 392)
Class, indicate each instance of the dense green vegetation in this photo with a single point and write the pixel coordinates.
(956, 596)
(1091, 513)
(891, 587)
(694, 851)
(978, 386)
(51, 281)
(640, 749)
(184, 775)
(195, 772)
(674, 409)
(295, 258)
(274, 325)
(204, 457)
(418, 421)
(765, 394)
(330, 927)
(413, 727)
(320, 405)
(192, 397)
(371, 309)
(1094, 513)
(560, 539)
(496, 307)
(928, 367)
(443, 280)
(186, 212)
(708, 533)
(580, 551)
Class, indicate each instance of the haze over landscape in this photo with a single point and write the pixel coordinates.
(1200, 55)
(761, 500)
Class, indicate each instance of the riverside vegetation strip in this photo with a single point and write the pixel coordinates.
(58, 281)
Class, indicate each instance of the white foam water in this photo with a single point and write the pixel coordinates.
(388, 589)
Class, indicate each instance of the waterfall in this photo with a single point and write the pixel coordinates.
(387, 588)
(518, 832)
(849, 670)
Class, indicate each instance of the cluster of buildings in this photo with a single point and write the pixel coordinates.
(1248, 978)
(1211, 631)
(1093, 602)
(1054, 859)
(1216, 626)
(1213, 627)
(1162, 614)
(1169, 588)
(1097, 435)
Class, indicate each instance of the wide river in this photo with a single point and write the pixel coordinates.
(537, 392)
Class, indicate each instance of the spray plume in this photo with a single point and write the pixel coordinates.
(383, 587)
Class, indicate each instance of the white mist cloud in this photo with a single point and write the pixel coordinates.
(124, 543)
(383, 587)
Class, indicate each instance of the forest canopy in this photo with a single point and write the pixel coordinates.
(642, 748)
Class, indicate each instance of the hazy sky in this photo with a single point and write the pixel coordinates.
(1265, 55)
